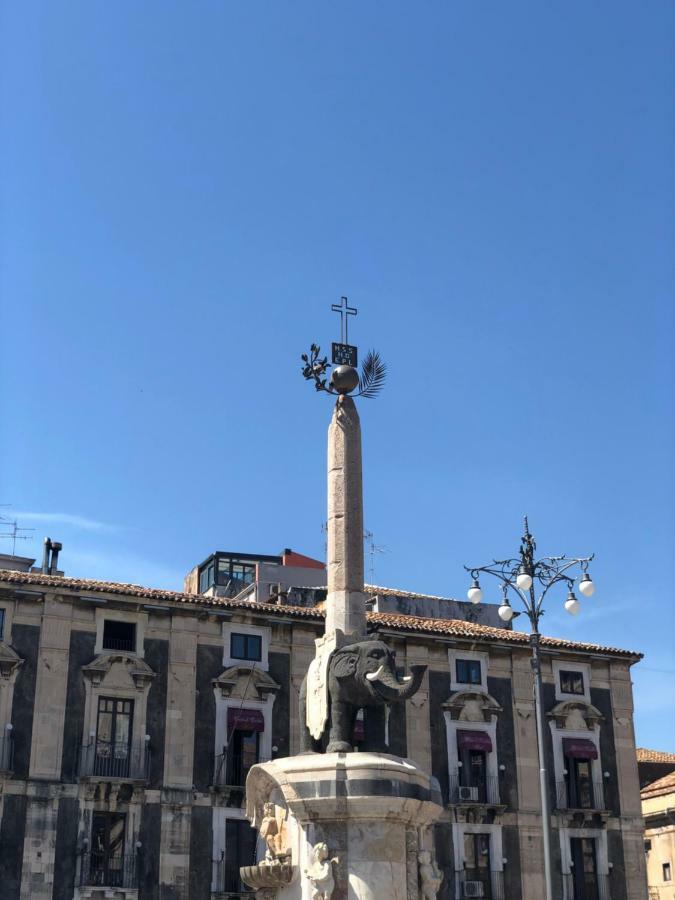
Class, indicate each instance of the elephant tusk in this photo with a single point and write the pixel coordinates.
(407, 678)
(374, 676)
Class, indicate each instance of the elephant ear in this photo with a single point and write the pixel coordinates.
(344, 664)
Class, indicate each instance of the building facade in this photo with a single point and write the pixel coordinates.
(131, 716)
(657, 779)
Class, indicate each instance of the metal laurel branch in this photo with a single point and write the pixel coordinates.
(315, 368)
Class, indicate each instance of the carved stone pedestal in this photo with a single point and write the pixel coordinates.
(350, 825)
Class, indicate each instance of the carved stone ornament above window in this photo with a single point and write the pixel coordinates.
(9, 661)
(575, 715)
(472, 706)
(246, 682)
(133, 667)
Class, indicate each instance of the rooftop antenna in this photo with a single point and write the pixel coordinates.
(13, 533)
(373, 548)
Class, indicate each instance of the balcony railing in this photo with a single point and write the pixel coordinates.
(480, 883)
(486, 792)
(589, 881)
(589, 796)
(227, 883)
(126, 644)
(109, 870)
(230, 773)
(114, 761)
(7, 752)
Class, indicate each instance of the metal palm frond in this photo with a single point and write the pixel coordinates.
(373, 374)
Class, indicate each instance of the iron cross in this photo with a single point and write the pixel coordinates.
(345, 311)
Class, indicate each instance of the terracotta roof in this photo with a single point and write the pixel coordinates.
(395, 621)
(395, 592)
(655, 756)
(665, 785)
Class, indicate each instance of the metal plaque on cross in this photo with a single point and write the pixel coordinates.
(344, 355)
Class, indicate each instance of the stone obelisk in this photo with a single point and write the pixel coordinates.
(345, 602)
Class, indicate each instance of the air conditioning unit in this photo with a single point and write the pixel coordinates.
(474, 889)
(469, 793)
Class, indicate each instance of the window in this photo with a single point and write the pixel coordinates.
(234, 575)
(666, 872)
(2, 624)
(113, 737)
(468, 671)
(206, 577)
(106, 859)
(246, 646)
(477, 862)
(648, 846)
(119, 635)
(571, 682)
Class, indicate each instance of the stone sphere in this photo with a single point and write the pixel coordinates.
(344, 379)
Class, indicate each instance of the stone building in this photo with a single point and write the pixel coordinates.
(130, 716)
(658, 809)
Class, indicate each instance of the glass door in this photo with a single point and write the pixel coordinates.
(585, 868)
(113, 737)
(107, 849)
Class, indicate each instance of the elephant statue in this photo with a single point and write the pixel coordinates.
(359, 676)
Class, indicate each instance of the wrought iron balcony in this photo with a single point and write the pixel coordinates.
(589, 795)
(480, 883)
(101, 869)
(100, 759)
(227, 884)
(7, 752)
(485, 793)
(590, 884)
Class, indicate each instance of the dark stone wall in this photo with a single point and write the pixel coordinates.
(601, 698)
(12, 831)
(500, 689)
(439, 691)
(398, 736)
(201, 848)
(157, 657)
(26, 641)
(148, 864)
(65, 853)
(209, 666)
(81, 652)
(549, 701)
(280, 671)
(618, 876)
(445, 860)
(512, 871)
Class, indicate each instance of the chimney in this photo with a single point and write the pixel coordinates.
(45, 556)
(54, 565)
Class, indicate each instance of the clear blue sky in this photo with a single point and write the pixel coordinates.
(187, 187)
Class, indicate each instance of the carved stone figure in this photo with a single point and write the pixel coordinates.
(320, 873)
(271, 834)
(360, 675)
(430, 875)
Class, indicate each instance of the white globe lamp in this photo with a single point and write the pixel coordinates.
(572, 605)
(524, 580)
(475, 594)
(586, 585)
(505, 612)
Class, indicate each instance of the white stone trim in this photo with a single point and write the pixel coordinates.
(221, 816)
(559, 762)
(559, 665)
(452, 726)
(496, 848)
(263, 631)
(483, 658)
(8, 606)
(223, 704)
(139, 619)
(601, 852)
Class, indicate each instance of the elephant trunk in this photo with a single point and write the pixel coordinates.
(390, 688)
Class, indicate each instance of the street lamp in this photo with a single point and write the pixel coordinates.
(520, 575)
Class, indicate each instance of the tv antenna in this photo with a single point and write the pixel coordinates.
(13, 534)
(373, 548)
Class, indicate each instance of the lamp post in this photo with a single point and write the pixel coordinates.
(525, 576)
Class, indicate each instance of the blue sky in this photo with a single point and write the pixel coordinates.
(187, 187)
